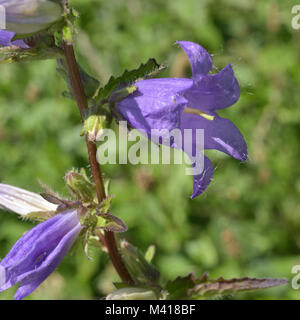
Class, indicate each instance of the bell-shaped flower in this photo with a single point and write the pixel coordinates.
(6, 40)
(181, 103)
(22, 201)
(30, 16)
(39, 251)
(25, 17)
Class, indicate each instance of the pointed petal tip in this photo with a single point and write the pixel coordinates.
(202, 181)
(200, 60)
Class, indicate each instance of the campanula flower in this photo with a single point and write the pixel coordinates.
(30, 16)
(26, 17)
(181, 103)
(22, 201)
(37, 253)
(6, 40)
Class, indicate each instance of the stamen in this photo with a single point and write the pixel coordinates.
(199, 113)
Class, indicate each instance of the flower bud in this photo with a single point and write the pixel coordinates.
(132, 294)
(94, 126)
(30, 16)
(80, 186)
(140, 270)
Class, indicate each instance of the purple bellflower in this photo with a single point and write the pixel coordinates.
(26, 17)
(37, 253)
(6, 40)
(181, 103)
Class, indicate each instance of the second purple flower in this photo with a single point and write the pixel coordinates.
(181, 103)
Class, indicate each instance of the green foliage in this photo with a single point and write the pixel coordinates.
(108, 222)
(191, 288)
(247, 223)
(40, 52)
(149, 69)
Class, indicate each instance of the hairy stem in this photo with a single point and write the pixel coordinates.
(82, 103)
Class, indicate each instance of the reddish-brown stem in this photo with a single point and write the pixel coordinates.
(82, 103)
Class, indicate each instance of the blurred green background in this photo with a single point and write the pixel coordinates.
(247, 223)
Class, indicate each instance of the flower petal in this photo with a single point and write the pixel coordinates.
(6, 40)
(220, 134)
(22, 201)
(202, 181)
(29, 16)
(214, 91)
(35, 277)
(32, 249)
(157, 104)
(202, 166)
(200, 59)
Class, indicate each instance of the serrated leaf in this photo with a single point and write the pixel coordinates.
(191, 288)
(149, 69)
(223, 286)
(108, 222)
(178, 288)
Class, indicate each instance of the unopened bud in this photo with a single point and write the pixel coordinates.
(138, 267)
(132, 294)
(30, 16)
(94, 126)
(80, 186)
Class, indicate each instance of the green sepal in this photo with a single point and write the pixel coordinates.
(40, 52)
(96, 120)
(120, 94)
(80, 186)
(108, 222)
(39, 216)
(104, 206)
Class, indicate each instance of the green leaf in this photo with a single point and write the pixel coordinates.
(105, 205)
(223, 286)
(90, 84)
(178, 288)
(191, 288)
(108, 222)
(139, 268)
(147, 70)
